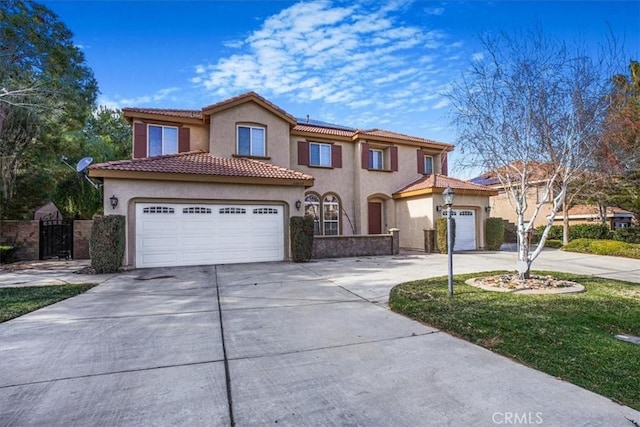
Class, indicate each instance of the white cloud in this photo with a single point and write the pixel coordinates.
(166, 94)
(437, 11)
(478, 56)
(360, 55)
(444, 102)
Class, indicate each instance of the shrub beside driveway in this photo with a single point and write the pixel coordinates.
(568, 336)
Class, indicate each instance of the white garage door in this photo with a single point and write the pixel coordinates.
(465, 229)
(173, 234)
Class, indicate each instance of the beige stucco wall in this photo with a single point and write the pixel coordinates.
(129, 192)
(222, 136)
(332, 180)
(198, 134)
(502, 208)
(199, 137)
(382, 184)
(417, 214)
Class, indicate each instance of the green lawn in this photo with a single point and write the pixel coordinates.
(568, 336)
(15, 302)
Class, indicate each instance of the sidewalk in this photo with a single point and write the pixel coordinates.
(48, 273)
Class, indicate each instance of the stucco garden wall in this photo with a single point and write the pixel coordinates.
(352, 246)
(25, 236)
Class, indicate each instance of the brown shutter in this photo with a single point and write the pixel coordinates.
(139, 140)
(365, 155)
(393, 153)
(336, 156)
(184, 144)
(444, 164)
(303, 153)
(420, 162)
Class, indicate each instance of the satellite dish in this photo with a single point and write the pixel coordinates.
(83, 163)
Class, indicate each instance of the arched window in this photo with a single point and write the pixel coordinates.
(312, 208)
(331, 215)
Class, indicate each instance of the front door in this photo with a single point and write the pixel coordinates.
(375, 218)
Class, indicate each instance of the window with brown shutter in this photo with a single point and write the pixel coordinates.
(365, 155)
(303, 153)
(139, 140)
(420, 162)
(184, 143)
(393, 154)
(444, 166)
(336, 156)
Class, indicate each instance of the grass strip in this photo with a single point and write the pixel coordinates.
(569, 336)
(17, 301)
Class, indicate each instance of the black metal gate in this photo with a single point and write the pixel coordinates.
(56, 237)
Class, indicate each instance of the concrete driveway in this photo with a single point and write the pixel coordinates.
(278, 343)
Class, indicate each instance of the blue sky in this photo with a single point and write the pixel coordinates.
(365, 64)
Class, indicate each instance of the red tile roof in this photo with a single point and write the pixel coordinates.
(319, 129)
(324, 130)
(436, 181)
(185, 114)
(248, 96)
(592, 210)
(202, 163)
(394, 135)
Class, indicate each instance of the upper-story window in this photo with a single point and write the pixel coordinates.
(428, 165)
(251, 141)
(376, 159)
(379, 157)
(162, 140)
(319, 154)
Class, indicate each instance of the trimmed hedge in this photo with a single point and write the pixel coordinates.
(577, 231)
(441, 234)
(589, 231)
(628, 235)
(555, 233)
(494, 233)
(7, 254)
(301, 238)
(106, 243)
(553, 243)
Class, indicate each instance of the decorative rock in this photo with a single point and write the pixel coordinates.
(534, 285)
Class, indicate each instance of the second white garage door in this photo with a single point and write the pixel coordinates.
(174, 234)
(465, 229)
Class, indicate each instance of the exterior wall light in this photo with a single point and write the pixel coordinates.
(114, 201)
(298, 204)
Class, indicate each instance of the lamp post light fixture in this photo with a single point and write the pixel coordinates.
(448, 195)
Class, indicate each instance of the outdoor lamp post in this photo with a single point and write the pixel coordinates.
(448, 196)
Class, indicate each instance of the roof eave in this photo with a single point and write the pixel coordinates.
(185, 177)
(132, 115)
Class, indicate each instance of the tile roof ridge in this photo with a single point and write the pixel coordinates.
(147, 159)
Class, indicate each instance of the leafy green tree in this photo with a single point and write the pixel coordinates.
(46, 90)
(105, 137)
(619, 157)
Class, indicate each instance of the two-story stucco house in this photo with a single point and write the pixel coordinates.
(218, 185)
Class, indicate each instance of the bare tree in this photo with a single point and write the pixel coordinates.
(531, 108)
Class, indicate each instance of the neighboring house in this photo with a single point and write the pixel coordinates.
(502, 205)
(218, 185)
